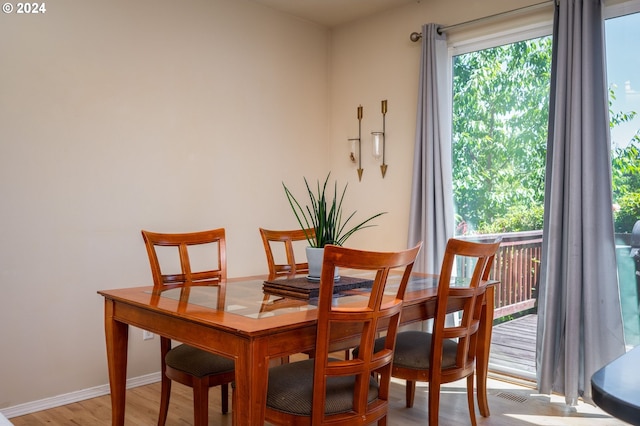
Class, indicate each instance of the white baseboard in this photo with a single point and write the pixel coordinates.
(71, 397)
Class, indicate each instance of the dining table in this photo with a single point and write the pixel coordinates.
(240, 319)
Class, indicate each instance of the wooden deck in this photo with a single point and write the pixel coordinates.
(513, 347)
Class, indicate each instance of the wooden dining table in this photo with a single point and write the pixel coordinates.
(237, 319)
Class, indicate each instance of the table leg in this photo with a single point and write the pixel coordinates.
(482, 355)
(252, 370)
(117, 334)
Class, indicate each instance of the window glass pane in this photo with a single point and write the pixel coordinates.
(500, 115)
(623, 71)
(499, 137)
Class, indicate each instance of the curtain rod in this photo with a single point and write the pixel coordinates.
(415, 36)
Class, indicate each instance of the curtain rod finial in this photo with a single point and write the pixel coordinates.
(415, 36)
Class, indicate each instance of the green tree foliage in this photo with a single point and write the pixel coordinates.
(500, 115)
(628, 212)
(625, 160)
(625, 173)
(500, 122)
(518, 218)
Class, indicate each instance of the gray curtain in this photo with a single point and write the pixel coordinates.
(431, 215)
(579, 317)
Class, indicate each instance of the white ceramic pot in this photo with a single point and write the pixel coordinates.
(314, 258)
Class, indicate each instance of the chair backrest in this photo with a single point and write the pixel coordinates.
(468, 291)
(286, 238)
(211, 253)
(375, 311)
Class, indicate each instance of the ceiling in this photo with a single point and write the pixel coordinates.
(330, 13)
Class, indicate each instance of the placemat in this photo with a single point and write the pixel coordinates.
(302, 288)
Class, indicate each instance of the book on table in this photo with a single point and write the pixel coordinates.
(302, 288)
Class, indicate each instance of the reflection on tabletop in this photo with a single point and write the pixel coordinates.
(247, 297)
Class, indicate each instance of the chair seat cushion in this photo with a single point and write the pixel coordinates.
(291, 390)
(413, 349)
(197, 362)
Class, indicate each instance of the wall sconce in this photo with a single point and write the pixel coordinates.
(355, 146)
(377, 139)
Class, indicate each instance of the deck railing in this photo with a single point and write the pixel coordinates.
(517, 267)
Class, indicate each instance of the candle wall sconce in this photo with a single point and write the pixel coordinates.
(378, 142)
(353, 151)
(355, 146)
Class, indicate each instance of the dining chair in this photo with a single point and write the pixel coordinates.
(286, 240)
(201, 261)
(326, 390)
(448, 353)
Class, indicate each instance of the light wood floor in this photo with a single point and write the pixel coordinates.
(510, 405)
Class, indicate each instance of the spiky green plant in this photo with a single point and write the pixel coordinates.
(324, 214)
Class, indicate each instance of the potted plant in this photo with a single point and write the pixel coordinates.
(324, 214)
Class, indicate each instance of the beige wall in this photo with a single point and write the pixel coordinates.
(117, 116)
(174, 116)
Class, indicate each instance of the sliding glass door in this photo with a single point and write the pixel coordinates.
(623, 71)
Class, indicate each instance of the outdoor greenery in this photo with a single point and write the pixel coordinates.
(628, 212)
(625, 171)
(500, 122)
(324, 214)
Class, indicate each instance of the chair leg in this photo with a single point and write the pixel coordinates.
(233, 395)
(165, 393)
(410, 391)
(470, 401)
(224, 398)
(200, 402)
(434, 402)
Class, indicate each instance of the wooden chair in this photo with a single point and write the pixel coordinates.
(449, 352)
(324, 390)
(185, 364)
(287, 238)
